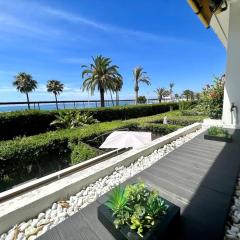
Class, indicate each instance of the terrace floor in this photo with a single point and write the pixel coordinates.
(199, 177)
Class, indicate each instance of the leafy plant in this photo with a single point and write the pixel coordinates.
(137, 206)
(212, 98)
(72, 119)
(219, 132)
(142, 99)
(82, 152)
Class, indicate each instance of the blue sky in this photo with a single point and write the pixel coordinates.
(52, 39)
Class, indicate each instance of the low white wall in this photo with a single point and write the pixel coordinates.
(29, 204)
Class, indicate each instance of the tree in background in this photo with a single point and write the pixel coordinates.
(56, 87)
(142, 99)
(100, 74)
(198, 96)
(117, 87)
(176, 96)
(187, 93)
(171, 85)
(139, 76)
(24, 83)
(192, 96)
(161, 92)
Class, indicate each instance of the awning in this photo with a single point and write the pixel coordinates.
(201, 8)
(126, 139)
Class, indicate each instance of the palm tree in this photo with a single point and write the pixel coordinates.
(139, 76)
(192, 96)
(161, 92)
(25, 84)
(171, 85)
(100, 74)
(56, 87)
(198, 96)
(187, 93)
(117, 88)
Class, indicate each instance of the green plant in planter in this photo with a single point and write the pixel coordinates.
(136, 206)
(117, 202)
(219, 132)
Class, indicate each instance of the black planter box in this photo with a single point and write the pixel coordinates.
(216, 138)
(164, 228)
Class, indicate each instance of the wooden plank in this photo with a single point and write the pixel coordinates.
(73, 228)
(89, 214)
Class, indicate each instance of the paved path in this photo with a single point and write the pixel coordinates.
(199, 177)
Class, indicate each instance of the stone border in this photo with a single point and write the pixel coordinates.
(31, 203)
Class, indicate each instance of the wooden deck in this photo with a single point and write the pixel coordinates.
(199, 177)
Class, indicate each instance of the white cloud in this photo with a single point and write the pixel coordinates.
(77, 19)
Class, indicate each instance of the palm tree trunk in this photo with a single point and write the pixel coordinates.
(56, 100)
(117, 102)
(28, 101)
(111, 98)
(102, 97)
(160, 99)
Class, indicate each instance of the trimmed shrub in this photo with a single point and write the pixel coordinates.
(83, 152)
(160, 128)
(28, 123)
(182, 121)
(20, 123)
(16, 155)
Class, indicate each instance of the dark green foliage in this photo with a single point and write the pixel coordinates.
(159, 128)
(82, 152)
(219, 132)
(20, 123)
(136, 206)
(142, 99)
(53, 148)
(33, 122)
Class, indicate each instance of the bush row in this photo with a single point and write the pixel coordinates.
(20, 123)
(17, 156)
(25, 158)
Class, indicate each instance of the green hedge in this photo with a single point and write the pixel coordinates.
(20, 123)
(29, 157)
(163, 129)
(82, 152)
(17, 155)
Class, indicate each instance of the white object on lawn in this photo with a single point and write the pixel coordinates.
(165, 121)
(126, 139)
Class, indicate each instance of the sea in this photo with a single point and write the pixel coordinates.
(72, 105)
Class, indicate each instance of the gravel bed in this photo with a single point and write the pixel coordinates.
(233, 224)
(59, 211)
